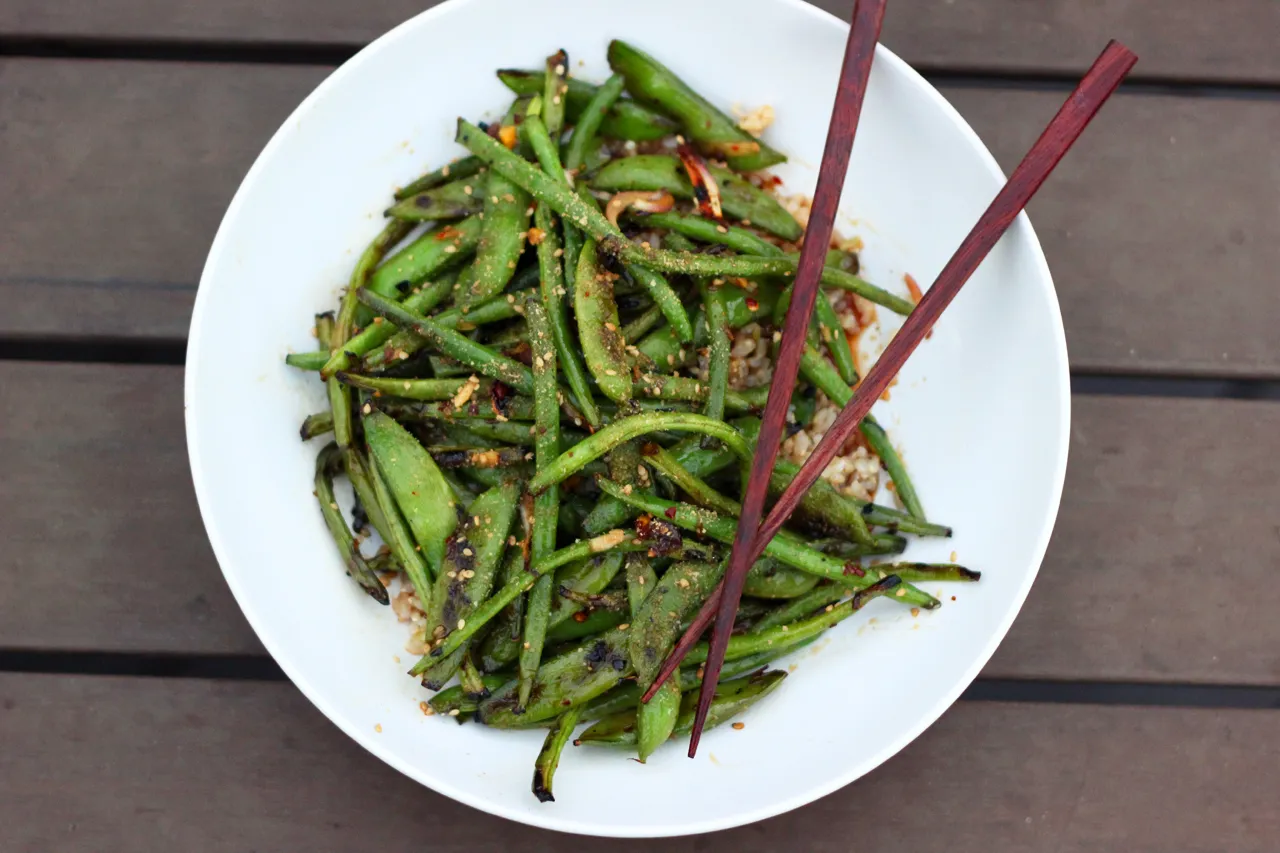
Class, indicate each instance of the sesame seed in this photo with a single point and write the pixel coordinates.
(739, 726)
(462, 623)
(900, 593)
(454, 712)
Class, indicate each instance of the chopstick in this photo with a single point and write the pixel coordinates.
(1101, 81)
(864, 32)
(1094, 89)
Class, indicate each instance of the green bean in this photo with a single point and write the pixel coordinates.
(897, 520)
(784, 547)
(327, 462)
(420, 491)
(656, 624)
(476, 356)
(642, 324)
(785, 635)
(307, 360)
(501, 645)
(449, 201)
(553, 293)
(555, 93)
(708, 231)
(593, 622)
(614, 539)
(598, 327)
(569, 680)
(716, 133)
(357, 469)
(625, 120)
(476, 407)
(588, 578)
(344, 326)
(589, 122)
(568, 204)
(666, 387)
(819, 371)
(698, 491)
(926, 572)
(544, 768)
(640, 578)
(316, 425)
(464, 457)
(431, 254)
(666, 299)
(835, 339)
(731, 699)
(624, 464)
(769, 579)
(502, 237)
(420, 300)
(546, 505)
(536, 134)
(718, 359)
(466, 577)
(626, 429)
(413, 389)
(461, 168)
(739, 198)
(454, 702)
(798, 608)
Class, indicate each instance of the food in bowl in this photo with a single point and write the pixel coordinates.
(543, 381)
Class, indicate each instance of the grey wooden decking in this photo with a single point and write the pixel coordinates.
(1135, 705)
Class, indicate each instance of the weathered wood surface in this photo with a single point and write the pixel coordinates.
(1159, 228)
(143, 765)
(1235, 42)
(1160, 569)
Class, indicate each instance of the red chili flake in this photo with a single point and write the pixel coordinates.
(851, 569)
(580, 616)
(449, 233)
(752, 305)
(670, 513)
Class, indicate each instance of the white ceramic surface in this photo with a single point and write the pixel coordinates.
(981, 410)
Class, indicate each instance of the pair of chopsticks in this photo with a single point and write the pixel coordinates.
(749, 543)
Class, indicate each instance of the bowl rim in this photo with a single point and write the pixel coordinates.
(550, 820)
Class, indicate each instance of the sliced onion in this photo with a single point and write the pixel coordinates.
(645, 201)
(706, 192)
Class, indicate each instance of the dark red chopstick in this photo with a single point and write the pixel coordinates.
(1094, 89)
(1074, 116)
(864, 32)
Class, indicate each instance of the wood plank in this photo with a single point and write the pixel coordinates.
(132, 164)
(1012, 36)
(236, 766)
(104, 543)
(1159, 571)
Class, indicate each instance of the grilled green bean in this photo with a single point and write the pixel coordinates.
(599, 328)
(327, 463)
(589, 122)
(553, 293)
(461, 168)
(456, 200)
(626, 119)
(502, 236)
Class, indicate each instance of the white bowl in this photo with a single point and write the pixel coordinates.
(981, 411)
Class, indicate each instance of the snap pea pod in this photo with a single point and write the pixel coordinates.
(420, 300)
(745, 644)
(357, 469)
(544, 768)
(555, 93)
(586, 579)
(783, 547)
(588, 124)
(818, 371)
(740, 199)
(593, 622)
(769, 579)
(314, 426)
(546, 506)
(464, 167)
(400, 539)
(502, 645)
(454, 701)
(626, 429)
(328, 462)
(553, 293)
(476, 356)
(572, 679)
(800, 607)
(472, 680)
(716, 133)
(706, 230)
(626, 119)
(718, 358)
(640, 578)
(615, 539)
(599, 327)
(466, 576)
(420, 491)
(456, 200)
(569, 205)
(731, 699)
(431, 254)
(502, 237)
(344, 326)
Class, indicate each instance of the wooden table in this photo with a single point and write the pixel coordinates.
(1135, 706)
